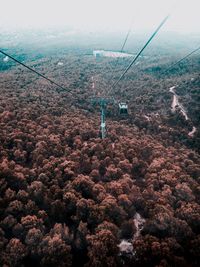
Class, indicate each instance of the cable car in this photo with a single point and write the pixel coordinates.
(123, 108)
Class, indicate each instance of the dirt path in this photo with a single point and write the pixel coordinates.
(175, 104)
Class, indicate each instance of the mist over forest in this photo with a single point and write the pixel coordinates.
(69, 197)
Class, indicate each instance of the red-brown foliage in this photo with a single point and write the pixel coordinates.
(68, 198)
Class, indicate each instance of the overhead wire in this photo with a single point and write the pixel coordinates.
(127, 35)
(175, 63)
(180, 60)
(29, 68)
(138, 54)
(126, 38)
(121, 50)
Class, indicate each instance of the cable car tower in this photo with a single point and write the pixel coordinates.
(103, 121)
(102, 102)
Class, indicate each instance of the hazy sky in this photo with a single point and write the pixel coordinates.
(107, 15)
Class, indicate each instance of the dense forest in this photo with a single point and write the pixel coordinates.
(69, 198)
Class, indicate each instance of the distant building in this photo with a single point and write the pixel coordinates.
(103, 53)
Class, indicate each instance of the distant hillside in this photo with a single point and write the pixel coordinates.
(69, 198)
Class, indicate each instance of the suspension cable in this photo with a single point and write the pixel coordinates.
(127, 35)
(180, 60)
(29, 68)
(121, 50)
(139, 53)
(126, 38)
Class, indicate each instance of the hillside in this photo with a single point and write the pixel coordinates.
(69, 198)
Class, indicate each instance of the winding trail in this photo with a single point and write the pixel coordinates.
(126, 246)
(175, 104)
(139, 223)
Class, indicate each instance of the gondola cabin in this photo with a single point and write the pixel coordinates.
(123, 108)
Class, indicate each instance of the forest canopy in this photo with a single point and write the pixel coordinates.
(69, 198)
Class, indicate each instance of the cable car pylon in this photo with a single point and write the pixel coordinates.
(102, 102)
